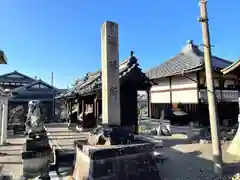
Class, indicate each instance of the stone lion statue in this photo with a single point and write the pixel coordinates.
(34, 122)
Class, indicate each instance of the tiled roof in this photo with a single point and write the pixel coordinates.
(93, 81)
(6, 76)
(191, 58)
(39, 81)
(70, 93)
(233, 68)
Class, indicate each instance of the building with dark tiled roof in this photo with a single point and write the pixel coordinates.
(85, 96)
(181, 84)
(22, 88)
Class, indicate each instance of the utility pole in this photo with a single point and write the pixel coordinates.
(217, 153)
(53, 98)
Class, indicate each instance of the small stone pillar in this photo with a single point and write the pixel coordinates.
(110, 74)
(4, 121)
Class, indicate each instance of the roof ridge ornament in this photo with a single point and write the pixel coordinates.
(190, 41)
(131, 53)
(188, 46)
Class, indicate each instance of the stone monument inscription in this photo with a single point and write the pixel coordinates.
(110, 74)
(112, 151)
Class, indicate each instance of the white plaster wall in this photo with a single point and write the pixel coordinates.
(184, 90)
(186, 96)
(163, 84)
(160, 97)
(160, 93)
(181, 82)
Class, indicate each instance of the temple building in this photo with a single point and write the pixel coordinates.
(181, 86)
(24, 88)
(84, 99)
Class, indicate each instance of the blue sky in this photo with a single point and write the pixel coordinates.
(63, 36)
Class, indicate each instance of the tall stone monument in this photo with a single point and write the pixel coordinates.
(110, 74)
(112, 152)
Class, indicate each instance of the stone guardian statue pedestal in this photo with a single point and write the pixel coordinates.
(37, 153)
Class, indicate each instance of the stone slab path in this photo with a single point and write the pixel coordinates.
(63, 138)
(10, 155)
(185, 161)
(10, 158)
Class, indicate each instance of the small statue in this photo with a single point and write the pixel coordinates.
(34, 122)
(37, 153)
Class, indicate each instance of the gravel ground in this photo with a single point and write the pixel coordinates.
(194, 161)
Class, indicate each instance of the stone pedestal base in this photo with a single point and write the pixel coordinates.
(36, 157)
(112, 135)
(115, 162)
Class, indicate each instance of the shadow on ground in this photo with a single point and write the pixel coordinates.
(191, 166)
(183, 163)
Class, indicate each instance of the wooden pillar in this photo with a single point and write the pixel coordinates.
(149, 103)
(78, 106)
(95, 107)
(83, 106)
(67, 105)
(70, 107)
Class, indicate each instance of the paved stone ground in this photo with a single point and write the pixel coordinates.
(63, 138)
(10, 155)
(185, 161)
(10, 158)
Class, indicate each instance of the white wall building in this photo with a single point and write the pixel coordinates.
(181, 83)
